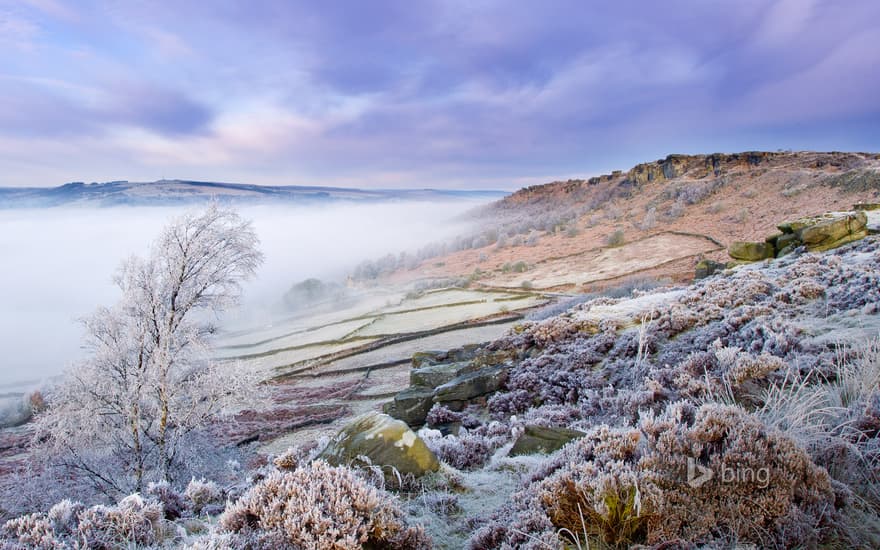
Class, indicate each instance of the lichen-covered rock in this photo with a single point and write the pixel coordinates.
(386, 442)
(828, 230)
(824, 232)
(749, 251)
(471, 385)
(538, 439)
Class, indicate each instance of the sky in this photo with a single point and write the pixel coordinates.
(444, 94)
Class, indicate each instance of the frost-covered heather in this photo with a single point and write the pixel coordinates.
(769, 373)
(318, 506)
(742, 369)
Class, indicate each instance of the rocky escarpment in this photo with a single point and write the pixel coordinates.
(851, 171)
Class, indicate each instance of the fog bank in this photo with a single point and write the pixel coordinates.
(58, 264)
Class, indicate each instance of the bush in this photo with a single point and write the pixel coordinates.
(616, 487)
(202, 493)
(615, 239)
(134, 521)
(319, 506)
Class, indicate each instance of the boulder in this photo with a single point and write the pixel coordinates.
(706, 268)
(436, 375)
(749, 251)
(412, 405)
(386, 442)
(832, 230)
(472, 384)
(538, 439)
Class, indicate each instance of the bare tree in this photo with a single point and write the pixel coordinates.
(122, 416)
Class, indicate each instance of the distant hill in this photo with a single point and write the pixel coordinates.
(176, 192)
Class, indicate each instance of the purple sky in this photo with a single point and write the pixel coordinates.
(464, 93)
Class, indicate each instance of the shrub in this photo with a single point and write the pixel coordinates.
(617, 487)
(30, 531)
(615, 239)
(319, 506)
(132, 521)
(172, 502)
(202, 493)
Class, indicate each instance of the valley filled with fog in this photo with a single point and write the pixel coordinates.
(58, 265)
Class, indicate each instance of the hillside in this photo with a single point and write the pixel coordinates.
(655, 220)
(177, 192)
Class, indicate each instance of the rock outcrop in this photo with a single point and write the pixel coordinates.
(816, 233)
(452, 378)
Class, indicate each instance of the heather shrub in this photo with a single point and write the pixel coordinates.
(468, 449)
(202, 493)
(319, 506)
(30, 531)
(172, 502)
(132, 521)
(64, 516)
(616, 487)
(764, 490)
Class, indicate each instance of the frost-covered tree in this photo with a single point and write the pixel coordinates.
(122, 417)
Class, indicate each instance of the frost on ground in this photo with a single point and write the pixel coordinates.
(742, 410)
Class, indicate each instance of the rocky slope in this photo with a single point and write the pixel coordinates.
(719, 198)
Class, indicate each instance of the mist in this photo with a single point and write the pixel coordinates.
(58, 264)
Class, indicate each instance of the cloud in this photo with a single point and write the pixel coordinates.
(465, 92)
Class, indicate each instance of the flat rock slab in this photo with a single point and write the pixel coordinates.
(538, 439)
(436, 375)
(472, 384)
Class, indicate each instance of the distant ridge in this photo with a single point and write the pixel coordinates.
(178, 192)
